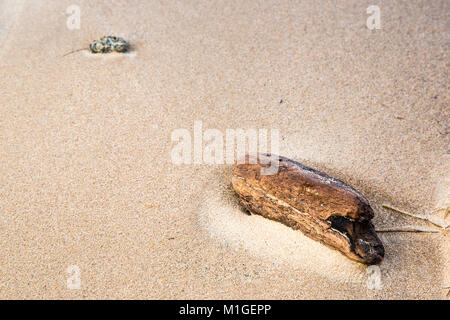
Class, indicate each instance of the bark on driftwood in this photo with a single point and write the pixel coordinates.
(323, 208)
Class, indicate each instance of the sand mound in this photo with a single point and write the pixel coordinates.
(274, 242)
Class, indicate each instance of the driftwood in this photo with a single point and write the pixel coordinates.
(323, 208)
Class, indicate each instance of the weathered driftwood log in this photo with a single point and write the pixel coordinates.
(323, 208)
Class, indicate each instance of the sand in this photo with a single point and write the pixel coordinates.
(87, 178)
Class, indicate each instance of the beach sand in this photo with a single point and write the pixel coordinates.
(87, 178)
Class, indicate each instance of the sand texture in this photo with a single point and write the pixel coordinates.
(87, 180)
